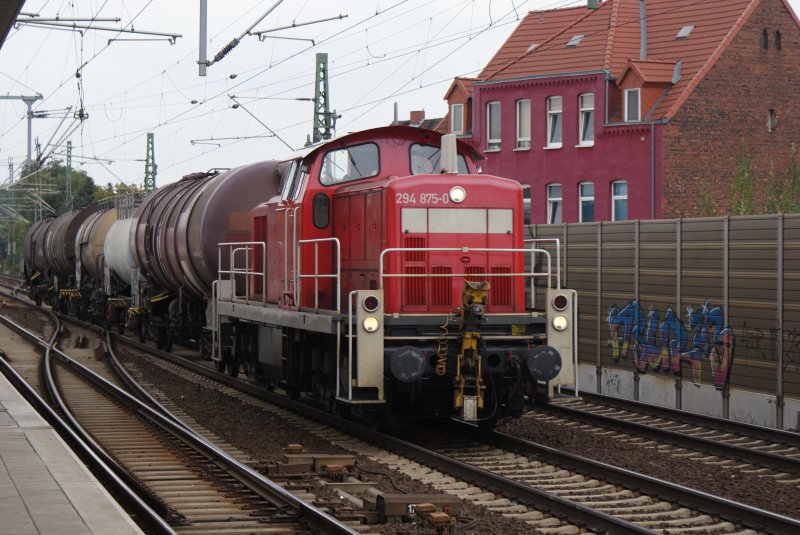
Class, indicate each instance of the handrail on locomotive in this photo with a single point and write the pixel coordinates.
(247, 272)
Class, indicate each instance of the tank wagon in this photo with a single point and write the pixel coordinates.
(65, 264)
(173, 239)
(378, 273)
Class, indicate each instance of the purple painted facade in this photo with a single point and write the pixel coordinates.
(620, 152)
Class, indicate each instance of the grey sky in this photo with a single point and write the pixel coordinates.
(385, 51)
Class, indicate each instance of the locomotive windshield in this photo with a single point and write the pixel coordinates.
(426, 159)
(292, 181)
(350, 163)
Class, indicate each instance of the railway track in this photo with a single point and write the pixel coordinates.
(187, 484)
(754, 449)
(509, 476)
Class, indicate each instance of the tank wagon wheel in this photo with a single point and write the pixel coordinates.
(141, 330)
(121, 320)
(168, 341)
(233, 366)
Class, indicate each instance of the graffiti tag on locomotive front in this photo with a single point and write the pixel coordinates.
(663, 345)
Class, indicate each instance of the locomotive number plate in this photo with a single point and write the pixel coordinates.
(421, 198)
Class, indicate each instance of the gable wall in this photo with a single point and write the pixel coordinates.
(727, 114)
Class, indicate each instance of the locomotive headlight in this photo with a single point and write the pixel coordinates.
(560, 322)
(457, 194)
(370, 324)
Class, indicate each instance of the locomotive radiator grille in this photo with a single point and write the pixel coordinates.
(414, 287)
(441, 287)
(501, 294)
(416, 242)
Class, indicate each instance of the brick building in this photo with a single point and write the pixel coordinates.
(631, 109)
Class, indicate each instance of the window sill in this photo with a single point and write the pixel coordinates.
(522, 149)
(584, 145)
(553, 147)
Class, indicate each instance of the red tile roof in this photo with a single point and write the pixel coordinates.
(465, 84)
(611, 38)
(535, 29)
(652, 71)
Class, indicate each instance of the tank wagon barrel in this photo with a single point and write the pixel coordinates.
(117, 249)
(90, 240)
(174, 240)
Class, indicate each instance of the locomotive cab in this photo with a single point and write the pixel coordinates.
(375, 280)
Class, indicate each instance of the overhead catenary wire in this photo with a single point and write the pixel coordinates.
(171, 121)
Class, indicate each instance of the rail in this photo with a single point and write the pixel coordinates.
(532, 275)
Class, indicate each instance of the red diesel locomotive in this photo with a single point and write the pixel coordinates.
(388, 275)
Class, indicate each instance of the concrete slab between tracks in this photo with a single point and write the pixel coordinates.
(660, 390)
(44, 487)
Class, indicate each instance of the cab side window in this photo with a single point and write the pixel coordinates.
(293, 181)
(350, 163)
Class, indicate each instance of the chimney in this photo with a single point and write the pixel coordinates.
(417, 117)
(593, 4)
(396, 118)
(643, 21)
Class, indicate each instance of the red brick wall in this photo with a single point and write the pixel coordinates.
(727, 113)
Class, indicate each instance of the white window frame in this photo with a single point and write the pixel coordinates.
(523, 138)
(493, 144)
(628, 95)
(453, 129)
(619, 197)
(554, 115)
(554, 202)
(582, 198)
(583, 111)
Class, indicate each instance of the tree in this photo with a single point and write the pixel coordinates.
(783, 195)
(741, 197)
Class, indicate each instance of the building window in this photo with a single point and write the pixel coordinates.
(771, 121)
(457, 119)
(619, 200)
(554, 122)
(523, 124)
(493, 125)
(777, 40)
(765, 39)
(632, 106)
(554, 203)
(586, 126)
(586, 202)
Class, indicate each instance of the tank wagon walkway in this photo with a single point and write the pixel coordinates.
(44, 488)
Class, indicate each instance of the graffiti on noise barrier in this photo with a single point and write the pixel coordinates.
(663, 345)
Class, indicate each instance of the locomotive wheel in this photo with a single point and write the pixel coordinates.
(168, 341)
(121, 322)
(221, 365)
(141, 330)
(38, 299)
